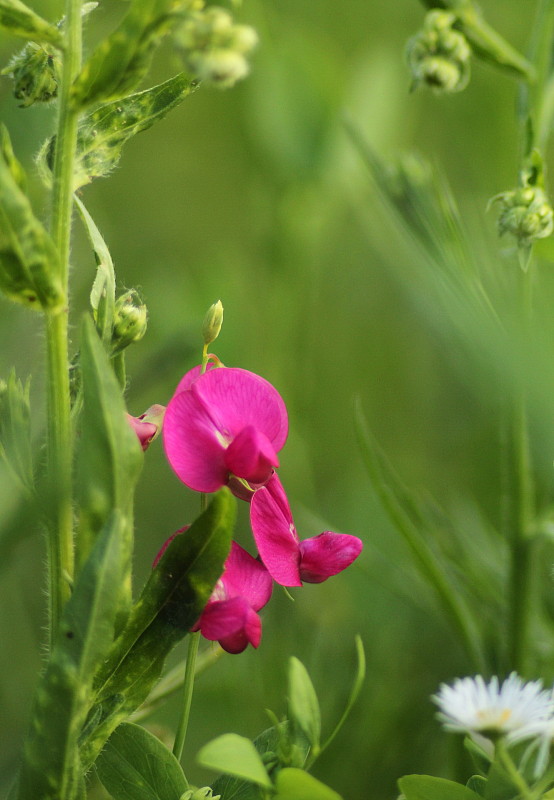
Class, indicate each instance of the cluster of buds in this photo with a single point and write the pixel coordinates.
(439, 56)
(525, 213)
(130, 320)
(214, 47)
(36, 73)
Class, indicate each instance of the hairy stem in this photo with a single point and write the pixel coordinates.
(190, 670)
(60, 550)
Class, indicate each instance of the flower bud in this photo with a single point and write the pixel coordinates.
(204, 793)
(439, 56)
(212, 323)
(36, 73)
(148, 425)
(526, 214)
(214, 48)
(130, 320)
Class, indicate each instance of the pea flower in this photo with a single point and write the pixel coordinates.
(223, 425)
(147, 427)
(513, 709)
(290, 561)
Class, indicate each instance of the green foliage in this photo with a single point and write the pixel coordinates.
(426, 787)
(135, 765)
(51, 767)
(121, 61)
(295, 784)
(36, 74)
(169, 605)
(234, 755)
(28, 258)
(303, 703)
(19, 20)
(15, 429)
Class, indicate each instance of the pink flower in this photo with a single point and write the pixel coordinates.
(225, 424)
(290, 561)
(230, 614)
(148, 425)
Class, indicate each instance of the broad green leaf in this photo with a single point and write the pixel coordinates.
(295, 784)
(120, 61)
(427, 787)
(51, 766)
(29, 263)
(170, 603)
(109, 455)
(135, 765)
(303, 703)
(234, 755)
(102, 296)
(15, 430)
(19, 20)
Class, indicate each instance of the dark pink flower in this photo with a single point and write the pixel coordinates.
(290, 561)
(223, 424)
(230, 614)
(148, 425)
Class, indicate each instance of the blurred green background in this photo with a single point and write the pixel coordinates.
(259, 197)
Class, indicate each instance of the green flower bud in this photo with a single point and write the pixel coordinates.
(214, 48)
(526, 214)
(205, 793)
(439, 56)
(36, 73)
(130, 320)
(212, 323)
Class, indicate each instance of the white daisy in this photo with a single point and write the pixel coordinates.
(515, 709)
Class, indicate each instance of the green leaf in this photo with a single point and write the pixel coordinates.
(295, 784)
(19, 20)
(170, 603)
(15, 430)
(135, 765)
(427, 787)
(29, 263)
(234, 755)
(120, 61)
(477, 783)
(109, 455)
(102, 296)
(303, 703)
(51, 767)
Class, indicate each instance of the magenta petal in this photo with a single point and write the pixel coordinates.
(246, 577)
(274, 533)
(251, 633)
(251, 456)
(223, 617)
(192, 445)
(327, 554)
(145, 431)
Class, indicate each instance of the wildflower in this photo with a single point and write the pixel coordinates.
(514, 709)
(289, 560)
(223, 423)
(439, 56)
(230, 614)
(148, 425)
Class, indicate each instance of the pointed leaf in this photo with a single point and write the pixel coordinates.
(303, 703)
(427, 787)
(121, 60)
(19, 20)
(102, 296)
(171, 602)
(15, 430)
(135, 765)
(51, 766)
(295, 784)
(234, 755)
(354, 692)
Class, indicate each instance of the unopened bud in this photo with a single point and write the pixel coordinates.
(526, 214)
(204, 793)
(130, 320)
(212, 323)
(36, 73)
(439, 56)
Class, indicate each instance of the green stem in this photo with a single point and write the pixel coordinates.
(60, 549)
(540, 99)
(515, 776)
(188, 686)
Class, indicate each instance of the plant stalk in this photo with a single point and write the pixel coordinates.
(188, 687)
(59, 437)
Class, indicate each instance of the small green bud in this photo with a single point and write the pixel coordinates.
(212, 323)
(439, 56)
(36, 73)
(205, 793)
(526, 214)
(130, 320)
(214, 48)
